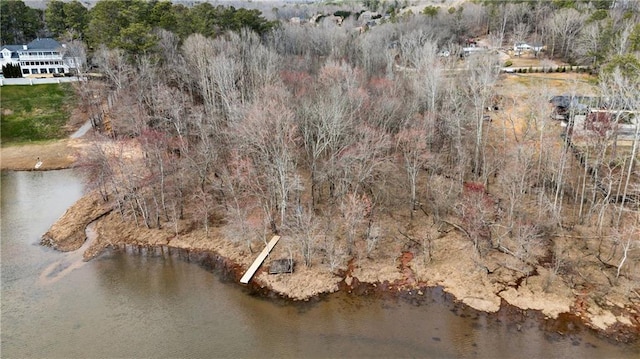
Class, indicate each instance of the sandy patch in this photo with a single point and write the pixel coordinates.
(54, 155)
(370, 271)
(303, 284)
(601, 319)
(550, 304)
(456, 269)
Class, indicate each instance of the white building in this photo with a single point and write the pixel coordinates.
(41, 56)
(520, 47)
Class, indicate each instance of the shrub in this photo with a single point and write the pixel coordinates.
(508, 63)
(11, 71)
(431, 11)
(342, 13)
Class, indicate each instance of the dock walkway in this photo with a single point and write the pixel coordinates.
(261, 257)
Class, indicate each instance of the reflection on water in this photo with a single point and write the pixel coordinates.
(133, 306)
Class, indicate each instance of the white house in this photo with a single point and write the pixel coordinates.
(41, 56)
(519, 47)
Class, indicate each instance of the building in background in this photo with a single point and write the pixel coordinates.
(38, 58)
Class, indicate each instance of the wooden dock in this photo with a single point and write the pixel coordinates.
(256, 264)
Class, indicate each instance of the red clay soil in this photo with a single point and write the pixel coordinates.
(409, 278)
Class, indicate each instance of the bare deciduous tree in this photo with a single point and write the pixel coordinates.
(114, 65)
(477, 211)
(412, 145)
(268, 135)
(483, 75)
(304, 226)
(354, 209)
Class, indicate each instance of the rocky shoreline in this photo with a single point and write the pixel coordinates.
(567, 324)
(68, 233)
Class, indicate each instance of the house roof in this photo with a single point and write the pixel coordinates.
(38, 44)
(43, 44)
(12, 48)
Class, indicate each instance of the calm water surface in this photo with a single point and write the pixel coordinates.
(131, 306)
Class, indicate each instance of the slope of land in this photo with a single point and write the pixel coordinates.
(411, 255)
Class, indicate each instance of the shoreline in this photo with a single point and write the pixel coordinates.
(398, 275)
(305, 284)
(54, 155)
(566, 324)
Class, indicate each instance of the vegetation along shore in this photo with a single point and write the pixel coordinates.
(490, 149)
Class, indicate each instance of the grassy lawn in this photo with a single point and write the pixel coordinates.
(34, 113)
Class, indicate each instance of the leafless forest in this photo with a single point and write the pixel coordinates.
(327, 134)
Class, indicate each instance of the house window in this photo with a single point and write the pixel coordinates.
(25, 71)
(60, 70)
(52, 71)
(34, 71)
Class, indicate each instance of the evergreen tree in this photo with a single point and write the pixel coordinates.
(11, 71)
(19, 24)
(54, 18)
(76, 17)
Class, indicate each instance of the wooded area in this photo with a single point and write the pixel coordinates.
(326, 133)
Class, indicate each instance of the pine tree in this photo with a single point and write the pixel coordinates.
(11, 71)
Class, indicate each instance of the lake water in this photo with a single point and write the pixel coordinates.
(121, 305)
